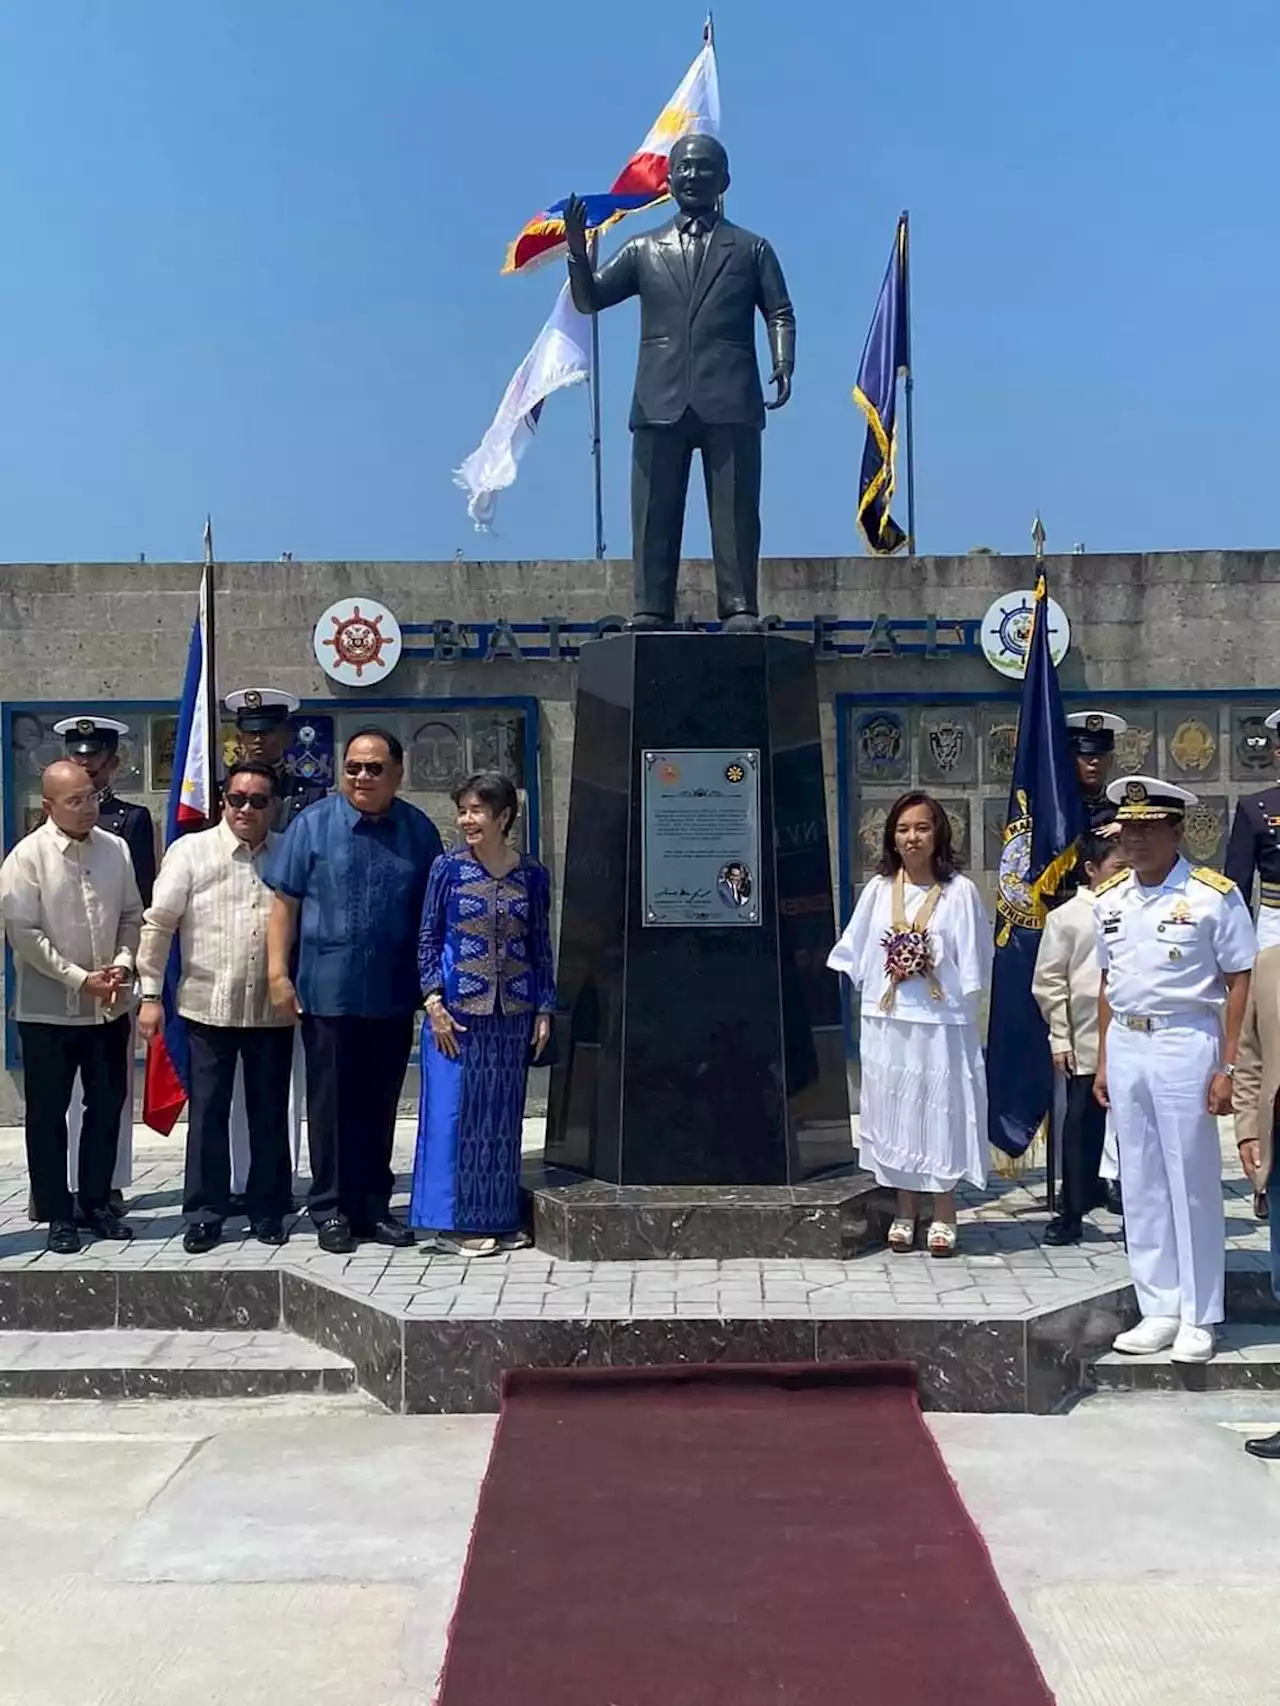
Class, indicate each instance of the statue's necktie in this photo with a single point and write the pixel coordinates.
(694, 242)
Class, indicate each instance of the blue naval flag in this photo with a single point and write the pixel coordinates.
(1046, 818)
(885, 356)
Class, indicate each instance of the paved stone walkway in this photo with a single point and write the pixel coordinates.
(1002, 1269)
(310, 1550)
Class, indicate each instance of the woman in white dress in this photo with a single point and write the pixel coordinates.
(919, 948)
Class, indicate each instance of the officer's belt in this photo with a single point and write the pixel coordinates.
(1158, 1021)
(1269, 894)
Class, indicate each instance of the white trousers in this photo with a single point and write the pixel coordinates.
(240, 1118)
(123, 1174)
(1171, 1166)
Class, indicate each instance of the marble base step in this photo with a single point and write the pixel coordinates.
(1248, 1360)
(833, 1218)
(140, 1363)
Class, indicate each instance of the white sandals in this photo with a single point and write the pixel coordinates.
(942, 1239)
(902, 1236)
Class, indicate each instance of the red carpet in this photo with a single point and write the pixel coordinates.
(727, 1537)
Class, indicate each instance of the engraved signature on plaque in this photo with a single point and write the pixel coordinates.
(701, 836)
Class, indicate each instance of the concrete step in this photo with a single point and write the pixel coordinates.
(1248, 1360)
(139, 1363)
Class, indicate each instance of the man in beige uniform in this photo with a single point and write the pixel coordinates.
(73, 916)
(1254, 1096)
(1066, 984)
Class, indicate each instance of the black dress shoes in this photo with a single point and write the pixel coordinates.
(104, 1224)
(63, 1238)
(743, 622)
(1113, 1198)
(1268, 1448)
(201, 1235)
(389, 1230)
(270, 1230)
(1064, 1229)
(334, 1235)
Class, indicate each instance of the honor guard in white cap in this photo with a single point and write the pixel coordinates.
(93, 743)
(1092, 735)
(1175, 944)
(262, 718)
(1255, 846)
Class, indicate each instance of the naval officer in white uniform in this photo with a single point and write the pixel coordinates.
(1175, 945)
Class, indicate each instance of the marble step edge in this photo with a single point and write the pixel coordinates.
(1248, 1360)
(141, 1363)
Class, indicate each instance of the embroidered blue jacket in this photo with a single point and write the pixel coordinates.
(485, 942)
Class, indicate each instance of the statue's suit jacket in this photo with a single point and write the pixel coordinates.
(697, 346)
(1257, 1081)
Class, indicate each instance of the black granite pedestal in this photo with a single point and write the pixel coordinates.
(698, 1054)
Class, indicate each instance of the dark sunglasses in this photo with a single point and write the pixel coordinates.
(238, 801)
(374, 767)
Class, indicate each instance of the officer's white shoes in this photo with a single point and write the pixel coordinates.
(1194, 1344)
(1153, 1333)
(1157, 1332)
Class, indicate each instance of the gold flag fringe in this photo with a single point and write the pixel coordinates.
(1018, 1166)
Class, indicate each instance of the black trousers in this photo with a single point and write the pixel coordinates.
(51, 1057)
(1084, 1130)
(355, 1068)
(266, 1053)
(660, 461)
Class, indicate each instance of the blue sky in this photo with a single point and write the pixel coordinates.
(251, 260)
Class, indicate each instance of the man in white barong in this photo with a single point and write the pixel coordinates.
(1065, 985)
(1175, 945)
(919, 947)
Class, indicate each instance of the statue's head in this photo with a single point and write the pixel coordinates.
(698, 171)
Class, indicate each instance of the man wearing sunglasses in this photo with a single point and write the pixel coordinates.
(349, 878)
(211, 891)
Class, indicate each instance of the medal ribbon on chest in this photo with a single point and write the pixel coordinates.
(906, 946)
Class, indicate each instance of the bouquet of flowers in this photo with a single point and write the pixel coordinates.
(907, 954)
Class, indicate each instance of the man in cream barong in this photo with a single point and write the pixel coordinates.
(919, 948)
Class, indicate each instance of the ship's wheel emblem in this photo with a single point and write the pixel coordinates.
(1006, 633)
(357, 641)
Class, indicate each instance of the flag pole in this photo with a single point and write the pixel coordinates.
(213, 721)
(597, 472)
(909, 397)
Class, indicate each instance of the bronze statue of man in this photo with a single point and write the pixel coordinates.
(699, 280)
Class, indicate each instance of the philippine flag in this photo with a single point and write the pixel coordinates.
(642, 182)
(191, 806)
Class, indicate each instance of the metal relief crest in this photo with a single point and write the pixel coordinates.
(946, 745)
(1132, 748)
(1202, 831)
(880, 745)
(1193, 746)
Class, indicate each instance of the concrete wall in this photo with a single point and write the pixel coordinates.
(119, 631)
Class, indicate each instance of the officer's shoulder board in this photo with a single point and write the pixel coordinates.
(1213, 879)
(1112, 882)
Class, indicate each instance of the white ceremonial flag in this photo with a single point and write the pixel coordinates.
(561, 356)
